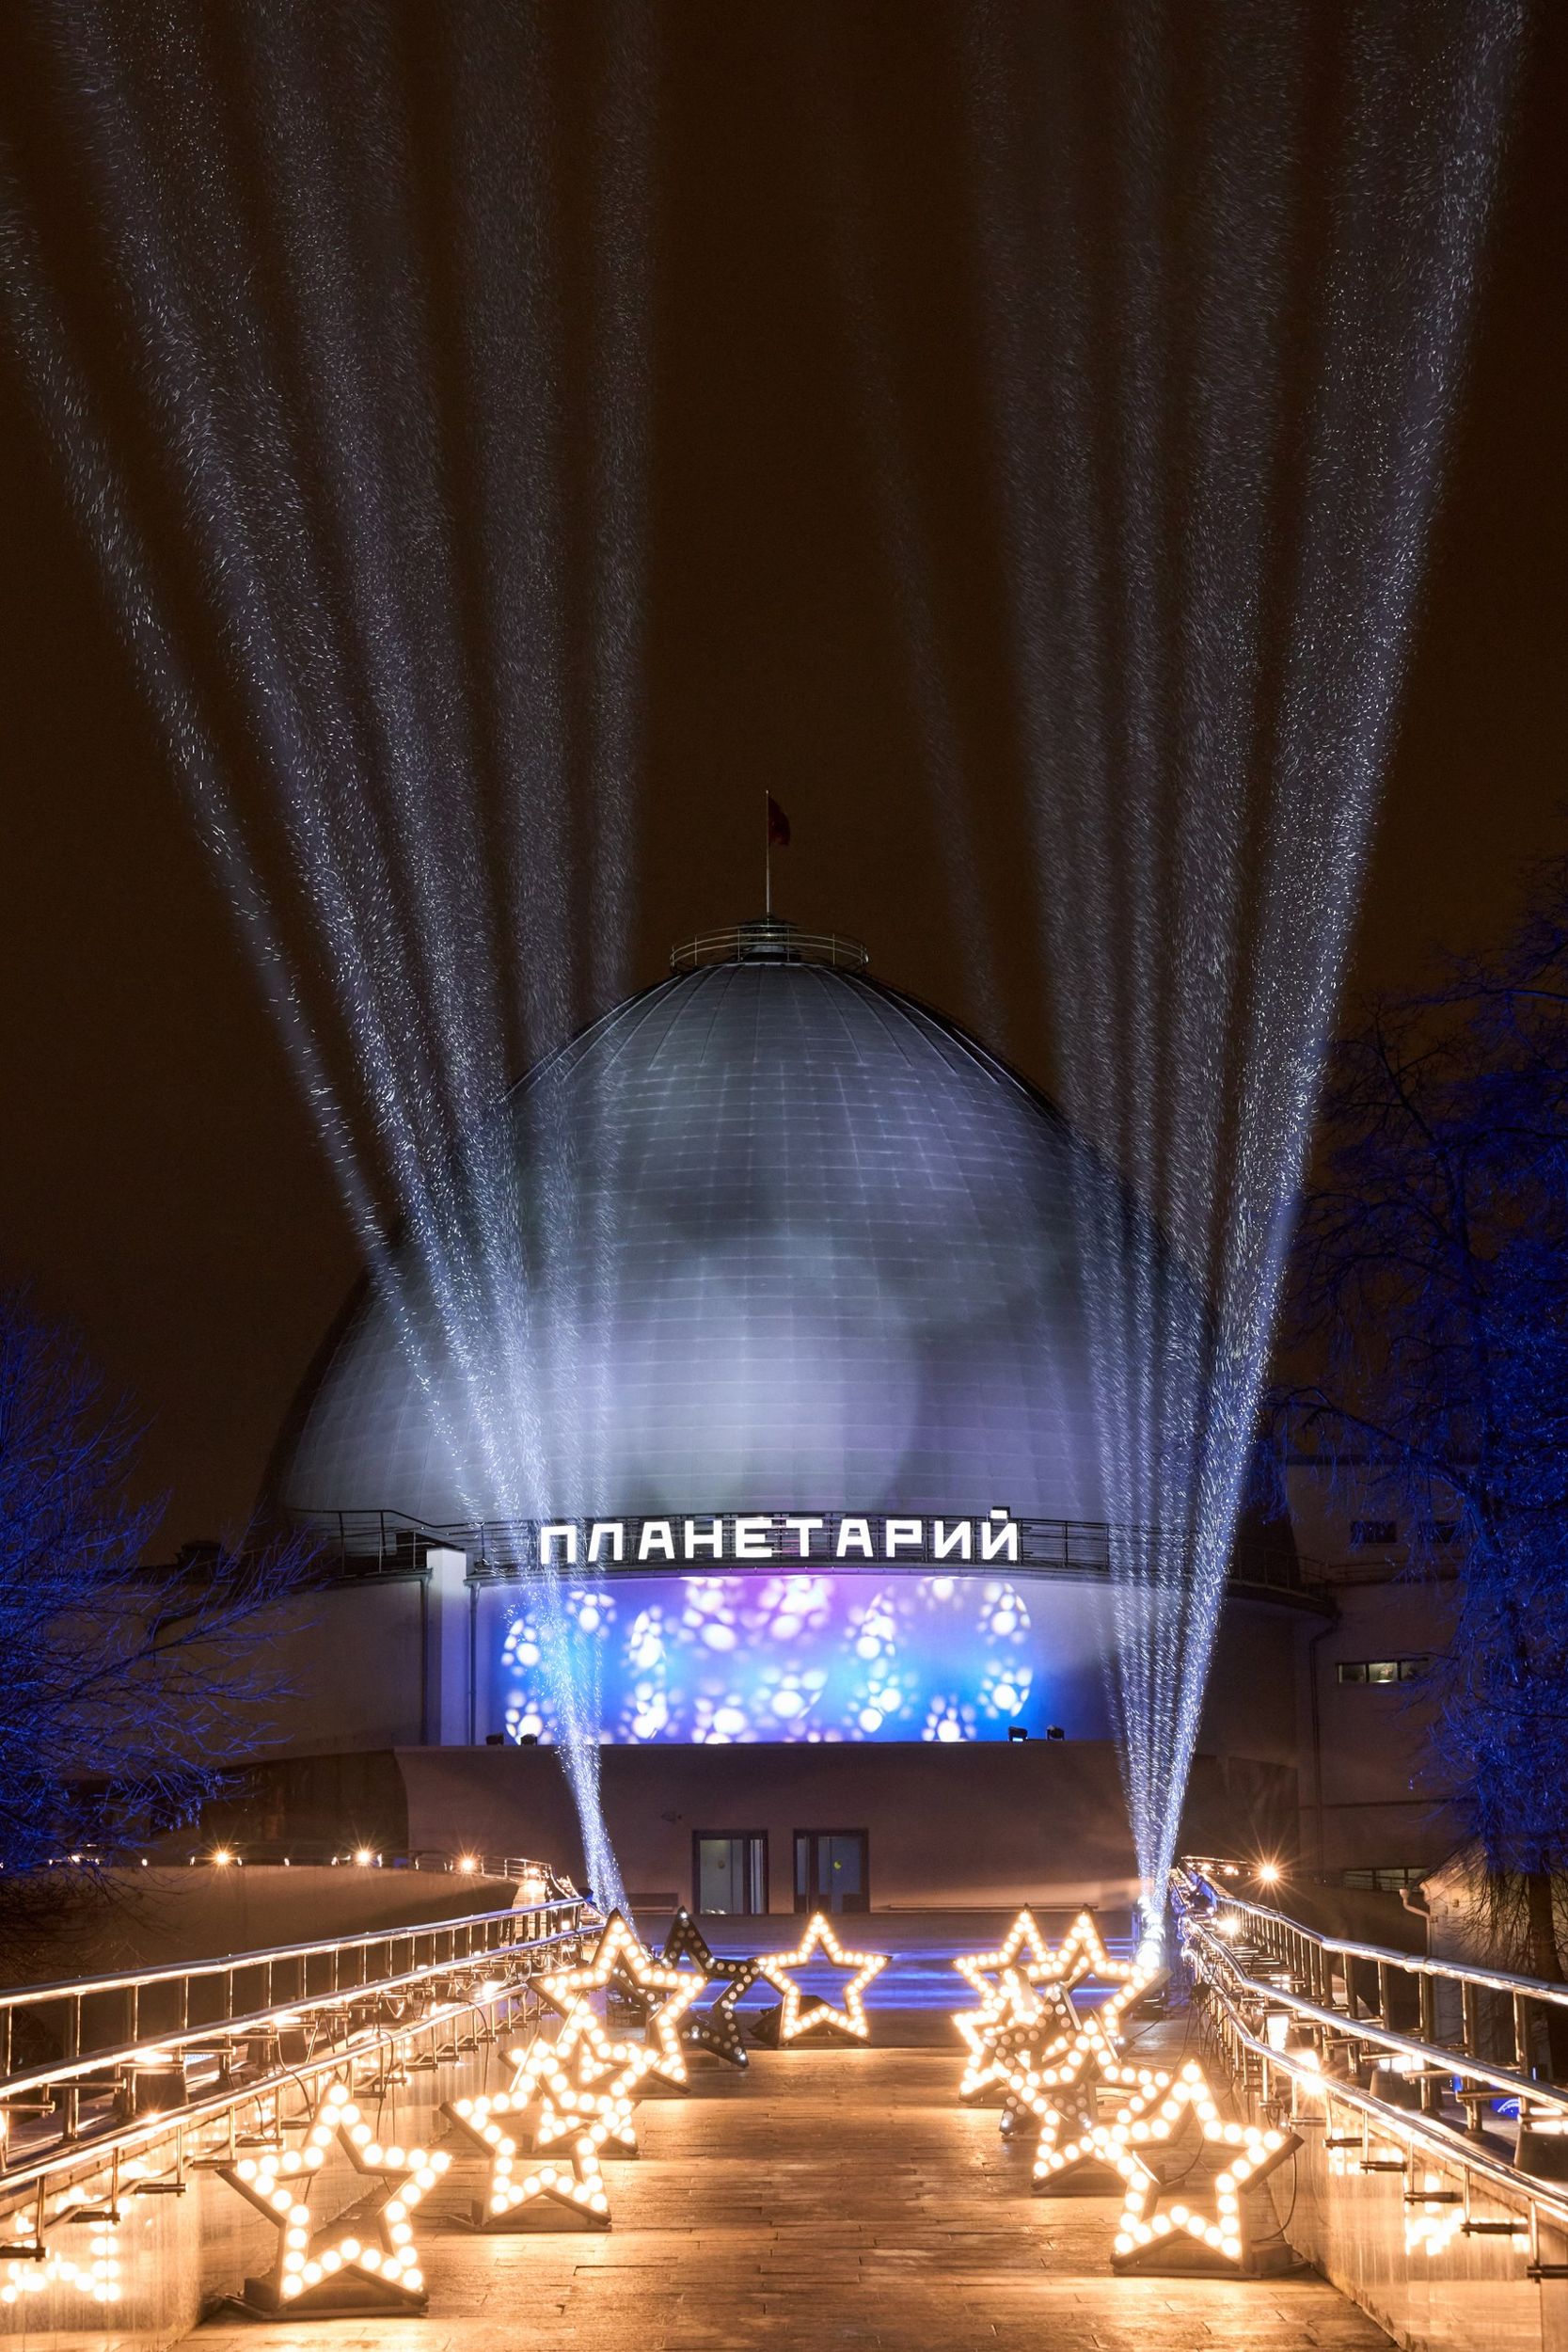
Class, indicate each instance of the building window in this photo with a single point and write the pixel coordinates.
(1386, 1878)
(1364, 1532)
(832, 1869)
(1439, 1531)
(1381, 1670)
(729, 1871)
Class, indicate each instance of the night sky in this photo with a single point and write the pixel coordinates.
(161, 1183)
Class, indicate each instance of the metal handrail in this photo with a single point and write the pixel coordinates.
(1219, 1966)
(282, 1853)
(276, 2015)
(486, 1938)
(230, 2099)
(1414, 1963)
(1418, 2130)
(370, 1542)
(474, 1936)
(18, 1996)
(768, 942)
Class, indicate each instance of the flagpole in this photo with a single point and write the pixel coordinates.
(766, 858)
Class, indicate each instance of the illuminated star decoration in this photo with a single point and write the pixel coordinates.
(1079, 2153)
(581, 2083)
(574, 2092)
(1011, 1980)
(802, 2014)
(667, 1994)
(1055, 2074)
(1011, 2020)
(566, 2191)
(98, 2278)
(366, 2259)
(716, 2028)
(986, 1971)
(1153, 2235)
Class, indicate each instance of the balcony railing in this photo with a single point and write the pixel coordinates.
(386, 1544)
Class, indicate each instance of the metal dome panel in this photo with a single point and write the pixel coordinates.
(818, 1250)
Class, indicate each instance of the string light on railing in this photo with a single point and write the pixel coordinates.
(800, 2013)
(666, 1993)
(1151, 2231)
(366, 2259)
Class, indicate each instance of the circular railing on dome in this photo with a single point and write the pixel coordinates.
(385, 1544)
(768, 941)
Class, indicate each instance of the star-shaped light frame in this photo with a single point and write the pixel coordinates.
(373, 2242)
(984, 1971)
(1013, 2019)
(1076, 2137)
(802, 2014)
(562, 2190)
(716, 2028)
(1071, 2110)
(585, 2081)
(578, 2088)
(568, 2192)
(1034, 2071)
(1151, 2231)
(621, 1957)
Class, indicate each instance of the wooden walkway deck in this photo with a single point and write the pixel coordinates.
(831, 2198)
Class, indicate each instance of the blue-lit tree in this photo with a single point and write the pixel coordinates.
(125, 1692)
(1430, 1283)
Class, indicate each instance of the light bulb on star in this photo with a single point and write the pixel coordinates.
(802, 2014)
(1180, 2235)
(364, 2261)
(664, 1993)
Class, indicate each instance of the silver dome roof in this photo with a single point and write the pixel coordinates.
(822, 1253)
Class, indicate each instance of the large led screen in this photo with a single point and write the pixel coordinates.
(789, 1656)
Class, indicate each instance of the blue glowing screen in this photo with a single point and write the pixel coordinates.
(790, 1657)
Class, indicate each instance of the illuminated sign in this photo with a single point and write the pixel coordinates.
(760, 1537)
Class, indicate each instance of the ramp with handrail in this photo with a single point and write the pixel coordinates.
(1433, 2159)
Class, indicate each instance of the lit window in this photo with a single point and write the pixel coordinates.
(1367, 1532)
(1379, 1670)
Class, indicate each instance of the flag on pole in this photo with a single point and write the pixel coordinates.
(778, 825)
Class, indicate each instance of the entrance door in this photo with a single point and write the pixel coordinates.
(832, 1871)
(729, 1871)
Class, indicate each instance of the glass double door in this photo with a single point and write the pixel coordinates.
(729, 1871)
(831, 1871)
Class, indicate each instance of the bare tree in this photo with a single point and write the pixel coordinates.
(125, 1692)
(1428, 1286)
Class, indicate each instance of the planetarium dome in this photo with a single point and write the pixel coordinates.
(813, 1248)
